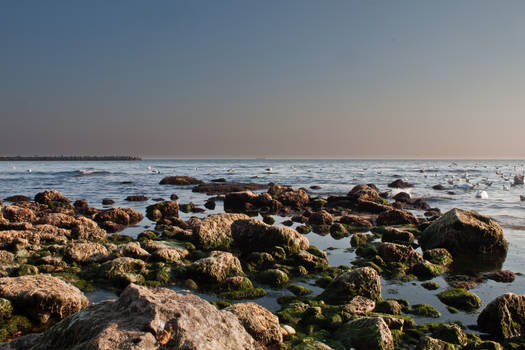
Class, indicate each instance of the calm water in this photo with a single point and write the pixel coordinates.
(96, 180)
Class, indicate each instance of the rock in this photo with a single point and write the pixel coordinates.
(169, 255)
(87, 229)
(84, 252)
(249, 202)
(216, 268)
(427, 270)
(399, 184)
(396, 217)
(116, 219)
(398, 253)
(311, 261)
(394, 235)
(360, 305)
(367, 333)
(15, 213)
(124, 271)
(464, 232)
(215, 230)
(439, 187)
(428, 343)
(460, 298)
(424, 310)
(371, 207)
(6, 309)
(355, 222)
(259, 322)
(274, 277)
(17, 198)
(439, 256)
(132, 250)
(42, 296)
(180, 181)
(402, 197)
(391, 307)
(451, 333)
(289, 196)
(140, 198)
(145, 319)
(210, 204)
(362, 281)
(162, 210)
(51, 198)
(227, 187)
(254, 235)
(505, 276)
(366, 193)
(107, 201)
(504, 317)
(321, 217)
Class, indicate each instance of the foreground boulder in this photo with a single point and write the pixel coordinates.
(144, 319)
(363, 281)
(215, 231)
(42, 297)
(254, 235)
(259, 322)
(504, 317)
(464, 232)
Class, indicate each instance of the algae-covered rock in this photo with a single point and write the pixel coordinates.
(396, 217)
(42, 296)
(464, 232)
(362, 281)
(451, 333)
(398, 253)
(504, 317)
(216, 268)
(215, 230)
(439, 256)
(124, 271)
(424, 310)
(460, 298)
(367, 333)
(259, 322)
(428, 343)
(427, 270)
(6, 309)
(360, 305)
(274, 277)
(167, 209)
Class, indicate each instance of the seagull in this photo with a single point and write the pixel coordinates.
(482, 195)
(29, 170)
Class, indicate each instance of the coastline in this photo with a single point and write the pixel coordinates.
(68, 158)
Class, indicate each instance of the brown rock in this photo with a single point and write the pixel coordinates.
(215, 230)
(396, 217)
(180, 181)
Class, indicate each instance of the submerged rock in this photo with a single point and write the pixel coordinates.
(504, 317)
(144, 319)
(464, 232)
(42, 296)
(362, 281)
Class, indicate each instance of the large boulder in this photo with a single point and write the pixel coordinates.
(464, 232)
(180, 181)
(362, 281)
(216, 268)
(504, 317)
(144, 319)
(42, 297)
(254, 235)
(215, 231)
(86, 252)
(367, 333)
(259, 322)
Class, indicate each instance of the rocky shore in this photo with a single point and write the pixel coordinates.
(53, 251)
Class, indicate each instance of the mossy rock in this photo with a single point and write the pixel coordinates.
(77, 281)
(279, 253)
(221, 304)
(427, 270)
(13, 325)
(428, 343)
(360, 239)
(450, 333)
(430, 285)
(299, 290)
(460, 298)
(391, 307)
(424, 310)
(303, 229)
(250, 293)
(6, 309)
(274, 277)
(27, 269)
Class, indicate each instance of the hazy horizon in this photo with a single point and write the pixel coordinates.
(245, 79)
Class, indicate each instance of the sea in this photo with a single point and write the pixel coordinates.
(464, 180)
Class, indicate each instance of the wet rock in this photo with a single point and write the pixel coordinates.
(427, 270)
(360, 305)
(464, 232)
(289, 196)
(460, 298)
(398, 253)
(227, 187)
(254, 235)
(210, 204)
(6, 309)
(362, 281)
(116, 219)
(321, 217)
(139, 198)
(84, 252)
(396, 217)
(217, 267)
(402, 197)
(180, 181)
(310, 261)
(394, 235)
(391, 307)
(367, 333)
(439, 256)
(424, 310)
(365, 193)
(169, 255)
(162, 210)
(504, 317)
(124, 271)
(132, 250)
(504, 276)
(355, 222)
(399, 184)
(274, 277)
(145, 319)
(42, 296)
(451, 333)
(215, 230)
(51, 198)
(439, 187)
(259, 322)
(15, 213)
(87, 229)
(365, 206)
(107, 201)
(428, 343)
(17, 198)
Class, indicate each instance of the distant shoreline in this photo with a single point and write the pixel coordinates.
(69, 158)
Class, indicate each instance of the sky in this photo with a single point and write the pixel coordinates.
(273, 78)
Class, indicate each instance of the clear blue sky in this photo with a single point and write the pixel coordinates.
(263, 78)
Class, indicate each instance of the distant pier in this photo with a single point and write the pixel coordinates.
(68, 158)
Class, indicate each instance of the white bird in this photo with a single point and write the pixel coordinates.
(506, 187)
(482, 195)
(148, 168)
(29, 170)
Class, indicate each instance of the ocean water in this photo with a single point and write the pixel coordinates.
(93, 181)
